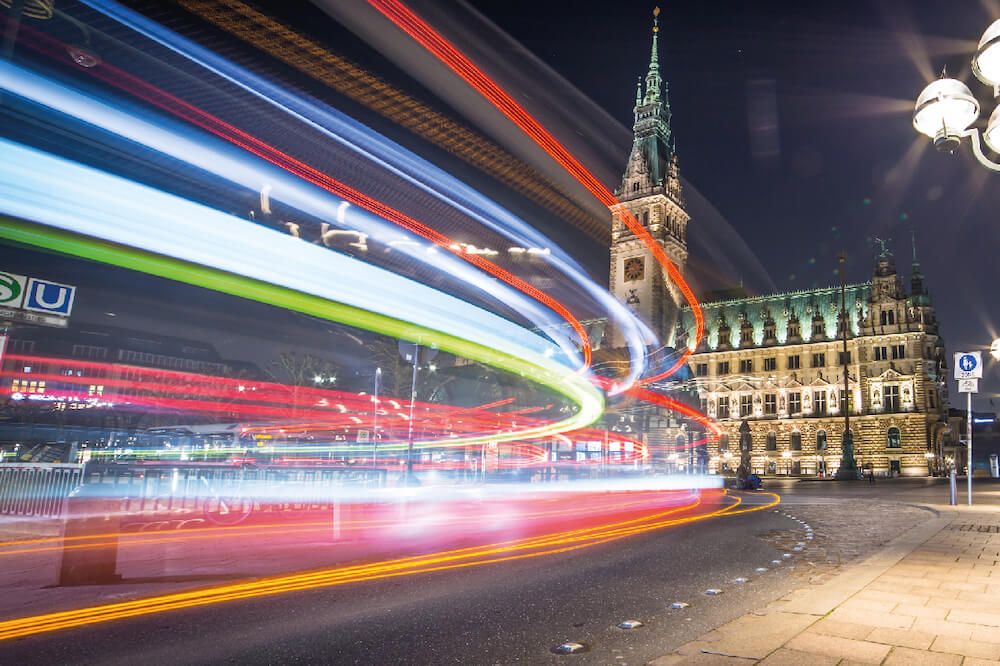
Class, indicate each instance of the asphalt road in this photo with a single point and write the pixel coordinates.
(496, 614)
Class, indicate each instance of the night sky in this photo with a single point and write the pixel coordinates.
(842, 163)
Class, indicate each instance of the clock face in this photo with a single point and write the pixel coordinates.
(634, 269)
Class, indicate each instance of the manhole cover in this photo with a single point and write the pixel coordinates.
(629, 624)
(569, 648)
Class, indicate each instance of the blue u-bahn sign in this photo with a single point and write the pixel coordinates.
(34, 300)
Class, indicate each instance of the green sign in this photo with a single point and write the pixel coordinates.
(12, 289)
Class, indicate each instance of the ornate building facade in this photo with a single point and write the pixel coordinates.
(776, 362)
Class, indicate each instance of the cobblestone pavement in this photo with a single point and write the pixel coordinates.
(844, 531)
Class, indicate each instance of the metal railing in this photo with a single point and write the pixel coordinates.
(37, 490)
(40, 490)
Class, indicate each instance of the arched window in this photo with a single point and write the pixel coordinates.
(723, 442)
(772, 441)
(796, 441)
(892, 438)
(821, 440)
(635, 186)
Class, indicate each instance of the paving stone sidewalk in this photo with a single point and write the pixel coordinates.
(929, 596)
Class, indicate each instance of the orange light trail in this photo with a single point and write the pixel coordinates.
(421, 32)
(549, 544)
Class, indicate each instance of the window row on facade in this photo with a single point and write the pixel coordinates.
(893, 440)
(795, 403)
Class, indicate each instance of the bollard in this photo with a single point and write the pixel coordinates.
(90, 541)
(953, 484)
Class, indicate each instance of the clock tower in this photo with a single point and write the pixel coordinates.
(651, 191)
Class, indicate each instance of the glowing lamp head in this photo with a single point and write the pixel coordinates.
(992, 133)
(995, 349)
(986, 62)
(944, 110)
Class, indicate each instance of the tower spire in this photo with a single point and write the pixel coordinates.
(654, 56)
(653, 81)
(650, 160)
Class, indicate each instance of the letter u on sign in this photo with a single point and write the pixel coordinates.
(49, 297)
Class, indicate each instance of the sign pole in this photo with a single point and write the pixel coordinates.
(969, 445)
(968, 372)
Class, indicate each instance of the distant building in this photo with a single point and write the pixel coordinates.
(73, 386)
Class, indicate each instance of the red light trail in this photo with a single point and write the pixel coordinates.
(454, 59)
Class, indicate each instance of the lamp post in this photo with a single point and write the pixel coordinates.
(378, 379)
(848, 468)
(946, 108)
(413, 398)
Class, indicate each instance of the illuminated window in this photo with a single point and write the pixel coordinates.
(818, 327)
(819, 403)
(892, 438)
(890, 398)
(723, 410)
(41, 387)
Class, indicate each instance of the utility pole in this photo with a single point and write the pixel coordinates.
(848, 467)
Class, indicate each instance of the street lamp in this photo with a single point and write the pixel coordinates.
(995, 350)
(946, 109)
